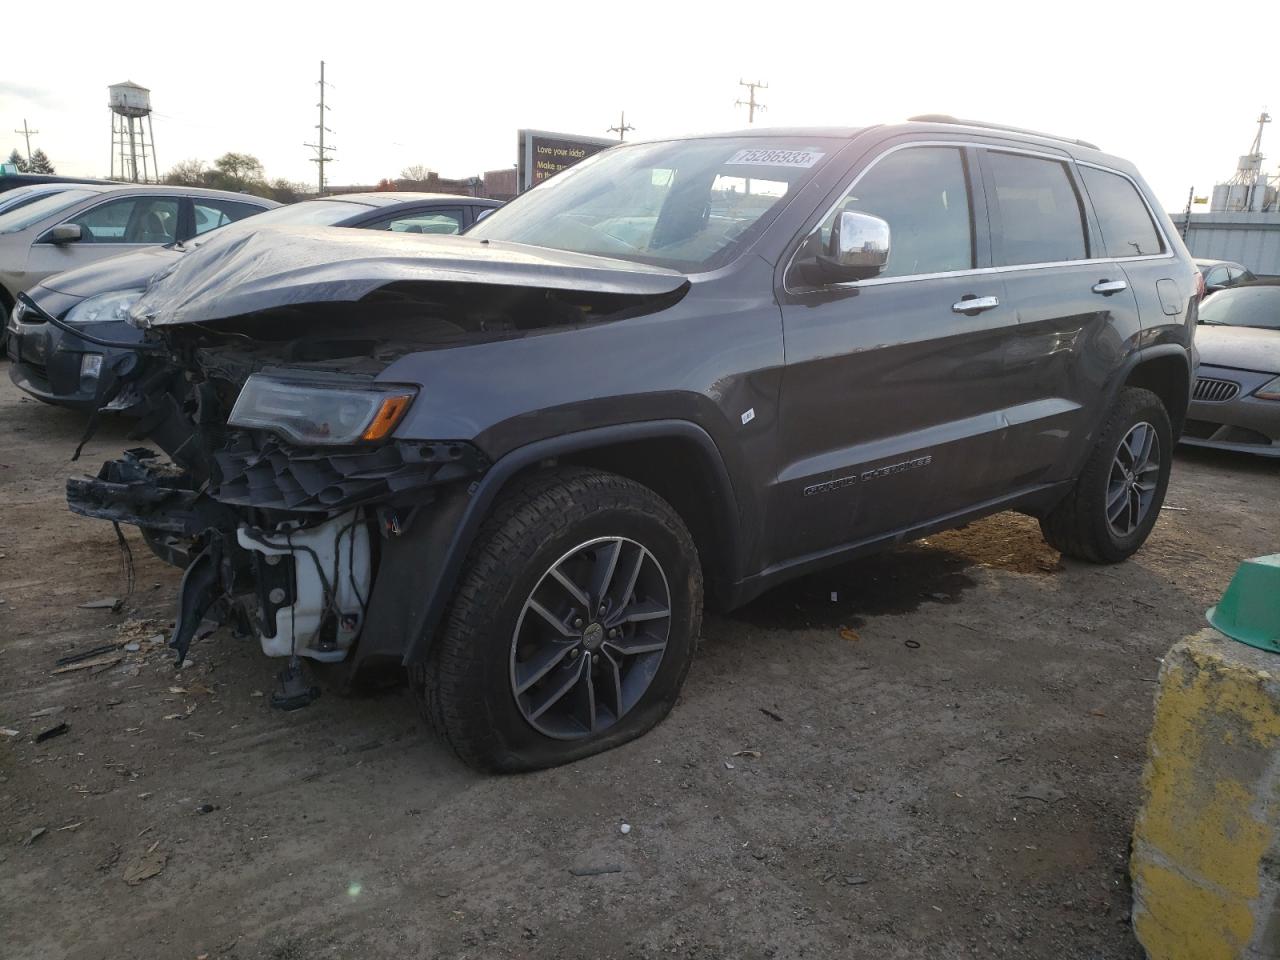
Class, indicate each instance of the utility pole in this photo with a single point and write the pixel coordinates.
(622, 127)
(322, 157)
(750, 103)
(26, 133)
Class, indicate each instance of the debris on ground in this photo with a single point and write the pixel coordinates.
(105, 603)
(45, 712)
(10, 732)
(33, 836)
(86, 654)
(770, 714)
(848, 633)
(52, 732)
(145, 865)
(753, 754)
(595, 871)
(624, 829)
(728, 765)
(104, 660)
(207, 808)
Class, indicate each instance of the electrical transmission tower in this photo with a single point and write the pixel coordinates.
(322, 152)
(622, 128)
(26, 133)
(750, 103)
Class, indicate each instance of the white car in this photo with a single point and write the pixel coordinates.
(88, 222)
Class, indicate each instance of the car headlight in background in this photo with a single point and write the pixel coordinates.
(1269, 391)
(308, 411)
(103, 308)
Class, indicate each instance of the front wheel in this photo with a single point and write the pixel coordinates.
(1116, 499)
(572, 627)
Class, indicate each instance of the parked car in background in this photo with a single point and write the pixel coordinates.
(1221, 274)
(12, 181)
(1236, 401)
(507, 461)
(13, 199)
(90, 222)
(57, 366)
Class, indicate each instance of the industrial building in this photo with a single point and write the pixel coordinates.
(1243, 222)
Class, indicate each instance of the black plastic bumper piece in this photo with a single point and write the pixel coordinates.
(137, 490)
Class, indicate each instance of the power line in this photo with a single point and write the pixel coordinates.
(322, 156)
(26, 133)
(750, 103)
(622, 127)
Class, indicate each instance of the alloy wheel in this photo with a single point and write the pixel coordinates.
(1135, 474)
(590, 638)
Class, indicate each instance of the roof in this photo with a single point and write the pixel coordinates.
(109, 188)
(385, 198)
(1208, 262)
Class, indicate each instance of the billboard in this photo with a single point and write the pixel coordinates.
(542, 155)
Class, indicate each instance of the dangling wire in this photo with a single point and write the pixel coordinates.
(126, 560)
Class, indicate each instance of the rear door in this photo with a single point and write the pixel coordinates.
(894, 397)
(1075, 312)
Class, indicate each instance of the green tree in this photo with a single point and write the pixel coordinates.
(188, 173)
(40, 163)
(16, 158)
(242, 167)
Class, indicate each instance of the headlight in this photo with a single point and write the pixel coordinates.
(1269, 391)
(104, 307)
(309, 411)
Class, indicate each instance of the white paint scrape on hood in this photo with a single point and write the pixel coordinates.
(252, 271)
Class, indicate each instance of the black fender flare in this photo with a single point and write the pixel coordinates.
(402, 620)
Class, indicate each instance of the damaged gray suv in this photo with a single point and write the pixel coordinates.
(513, 462)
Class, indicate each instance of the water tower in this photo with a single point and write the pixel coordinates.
(132, 142)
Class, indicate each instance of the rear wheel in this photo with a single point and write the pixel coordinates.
(1116, 500)
(572, 628)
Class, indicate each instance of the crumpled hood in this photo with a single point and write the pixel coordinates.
(129, 271)
(251, 271)
(1244, 348)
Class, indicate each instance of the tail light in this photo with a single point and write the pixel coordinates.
(1199, 285)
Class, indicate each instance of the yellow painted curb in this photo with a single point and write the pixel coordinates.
(1206, 847)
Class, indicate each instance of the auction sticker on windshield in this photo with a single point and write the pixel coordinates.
(776, 158)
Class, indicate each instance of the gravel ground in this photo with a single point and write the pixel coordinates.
(930, 753)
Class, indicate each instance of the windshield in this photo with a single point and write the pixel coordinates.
(37, 210)
(687, 204)
(1243, 307)
(13, 199)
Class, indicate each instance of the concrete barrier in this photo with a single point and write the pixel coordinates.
(1206, 847)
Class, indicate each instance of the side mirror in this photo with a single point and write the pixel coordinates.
(65, 233)
(858, 250)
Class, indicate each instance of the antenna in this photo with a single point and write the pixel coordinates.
(750, 103)
(322, 152)
(621, 129)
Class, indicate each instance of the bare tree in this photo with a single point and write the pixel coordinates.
(188, 173)
(416, 171)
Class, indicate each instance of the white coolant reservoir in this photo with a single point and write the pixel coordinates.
(329, 560)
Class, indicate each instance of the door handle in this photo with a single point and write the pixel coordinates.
(1108, 287)
(972, 306)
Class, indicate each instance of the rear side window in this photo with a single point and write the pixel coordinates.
(213, 213)
(1040, 214)
(923, 194)
(1127, 228)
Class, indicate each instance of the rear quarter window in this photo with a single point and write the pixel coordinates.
(1126, 224)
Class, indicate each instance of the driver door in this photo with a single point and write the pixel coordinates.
(108, 229)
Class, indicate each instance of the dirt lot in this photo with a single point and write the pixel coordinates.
(953, 775)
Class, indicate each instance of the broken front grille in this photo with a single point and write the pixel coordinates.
(1211, 390)
(255, 470)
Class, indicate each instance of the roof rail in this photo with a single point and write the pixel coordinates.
(947, 118)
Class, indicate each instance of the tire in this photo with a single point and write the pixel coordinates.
(570, 519)
(1079, 526)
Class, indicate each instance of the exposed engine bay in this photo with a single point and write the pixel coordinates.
(285, 474)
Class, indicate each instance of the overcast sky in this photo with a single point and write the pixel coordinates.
(448, 85)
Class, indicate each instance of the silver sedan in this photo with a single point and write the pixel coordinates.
(1235, 403)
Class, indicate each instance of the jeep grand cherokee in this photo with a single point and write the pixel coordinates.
(511, 462)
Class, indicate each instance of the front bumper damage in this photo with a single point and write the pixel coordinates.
(281, 542)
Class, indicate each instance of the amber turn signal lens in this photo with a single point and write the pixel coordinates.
(388, 415)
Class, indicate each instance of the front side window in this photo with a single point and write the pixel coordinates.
(130, 220)
(923, 194)
(1127, 228)
(1041, 220)
(211, 213)
(687, 204)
